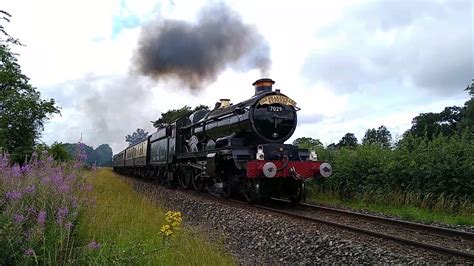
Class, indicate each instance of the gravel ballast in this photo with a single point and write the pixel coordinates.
(259, 237)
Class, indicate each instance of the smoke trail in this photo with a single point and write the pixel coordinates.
(195, 54)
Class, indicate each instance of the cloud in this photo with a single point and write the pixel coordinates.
(309, 118)
(423, 45)
(104, 108)
(390, 55)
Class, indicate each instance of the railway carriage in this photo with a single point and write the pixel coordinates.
(232, 149)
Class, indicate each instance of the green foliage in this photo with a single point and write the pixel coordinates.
(450, 121)
(171, 115)
(381, 136)
(40, 148)
(358, 170)
(441, 167)
(308, 143)
(467, 119)
(59, 152)
(430, 125)
(137, 136)
(23, 112)
(349, 140)
(432, 167)
(102, 155)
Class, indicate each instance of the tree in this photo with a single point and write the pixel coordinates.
(100, 156)
(381, 136)
(467, 114)
(370, 136)
(430, 125)
(349, 140)
(136, 136)
(467, 120)
(450, 121)
(59, 152)
(470, 89)
(40, 148)
(171, 115)
(103, 155)
(332, 146)
(308, 143)
(23, 112)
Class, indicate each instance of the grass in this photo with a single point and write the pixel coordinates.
(127, 227)
(411, 212)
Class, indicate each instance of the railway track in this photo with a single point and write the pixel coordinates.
(415, 226)
(432, 238)
(441, 240)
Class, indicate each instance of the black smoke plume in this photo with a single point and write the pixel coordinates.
(195, 54)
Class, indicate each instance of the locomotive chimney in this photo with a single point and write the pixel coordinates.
(263, 85)
(224, 103)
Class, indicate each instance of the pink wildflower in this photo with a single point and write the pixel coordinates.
(18, 218)
(41, 217)
(13, 195)
(30, 189)
(29, 252)
(94, 245)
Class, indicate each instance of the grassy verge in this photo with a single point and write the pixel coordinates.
(126, 229)
(411, 212)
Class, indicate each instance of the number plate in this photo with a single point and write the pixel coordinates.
(275, 108)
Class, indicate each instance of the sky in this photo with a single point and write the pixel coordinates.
(349, 65)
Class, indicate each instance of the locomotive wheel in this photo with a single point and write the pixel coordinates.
(184, 179)
(300, 195)
(161, 177)
(251, 192)
(164, 178)
(197, 181)
(227, 189)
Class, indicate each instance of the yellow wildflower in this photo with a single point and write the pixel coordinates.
(173, 223)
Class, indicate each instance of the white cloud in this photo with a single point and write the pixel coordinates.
(77, 53)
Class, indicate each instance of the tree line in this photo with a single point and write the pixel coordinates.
(66, 152)
(435, 157)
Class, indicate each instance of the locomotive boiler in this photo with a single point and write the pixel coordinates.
(230, 150)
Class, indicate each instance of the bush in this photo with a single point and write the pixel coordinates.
(443, 166)
(359, 170)
(441, 169)
(39, 206)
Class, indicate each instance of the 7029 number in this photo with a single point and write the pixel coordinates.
(275, 108)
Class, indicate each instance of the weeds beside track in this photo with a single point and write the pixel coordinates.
(128, 228)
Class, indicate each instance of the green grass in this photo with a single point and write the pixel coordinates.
(409, 212)
(127, 225)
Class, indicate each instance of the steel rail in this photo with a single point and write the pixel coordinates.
(443, 250)
(440, 231)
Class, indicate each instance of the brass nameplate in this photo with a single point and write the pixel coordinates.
(272, 99)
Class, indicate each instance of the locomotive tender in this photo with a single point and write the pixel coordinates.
(232, 149)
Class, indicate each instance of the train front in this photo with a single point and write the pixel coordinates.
(278, 169)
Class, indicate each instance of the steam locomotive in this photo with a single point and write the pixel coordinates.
(233, 149)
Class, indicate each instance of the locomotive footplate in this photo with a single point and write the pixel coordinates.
(300, 170)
